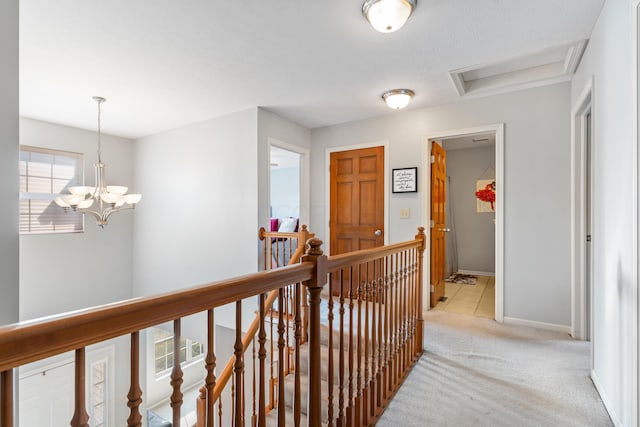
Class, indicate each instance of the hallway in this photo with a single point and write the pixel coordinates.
(479, 372)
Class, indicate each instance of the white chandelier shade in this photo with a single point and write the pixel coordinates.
(108, 199)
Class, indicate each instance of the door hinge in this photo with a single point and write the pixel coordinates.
(433, 224)
(433, 159)
(588, 237)
(433, 288)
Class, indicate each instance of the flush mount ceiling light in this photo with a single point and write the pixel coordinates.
(388, 16)
(109, 198)
(397, 99)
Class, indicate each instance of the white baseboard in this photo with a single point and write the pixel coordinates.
(477, 273)
(539, 325)
(605, 400)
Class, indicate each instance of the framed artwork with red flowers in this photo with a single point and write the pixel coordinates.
(485, 195)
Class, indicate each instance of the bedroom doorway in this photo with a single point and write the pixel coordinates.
(284, 183)
(288, 181)
(471, 230)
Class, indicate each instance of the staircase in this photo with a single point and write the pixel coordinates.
(356, 385)
(349, 351)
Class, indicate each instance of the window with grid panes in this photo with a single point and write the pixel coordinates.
(163, 346)
(44, 175)
(98, 406)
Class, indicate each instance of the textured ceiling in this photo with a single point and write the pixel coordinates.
(163, 64)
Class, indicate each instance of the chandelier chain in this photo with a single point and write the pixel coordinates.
(99, 133)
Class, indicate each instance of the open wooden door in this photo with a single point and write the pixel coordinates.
(356, 200)
(438, 200)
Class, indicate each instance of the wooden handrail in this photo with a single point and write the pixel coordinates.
(337, 262)
(33, 340)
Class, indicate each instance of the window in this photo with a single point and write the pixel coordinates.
(190, 351)
(44, 174)
(98, 405)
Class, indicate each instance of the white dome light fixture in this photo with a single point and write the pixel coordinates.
(388, 16)
(397, 99)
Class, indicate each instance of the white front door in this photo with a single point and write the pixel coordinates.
(46, 397)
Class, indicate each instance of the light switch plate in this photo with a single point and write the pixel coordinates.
(405, 213)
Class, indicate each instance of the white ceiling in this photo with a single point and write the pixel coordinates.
(163, 64)
(469, 141)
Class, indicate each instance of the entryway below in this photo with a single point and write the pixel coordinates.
(475, 300)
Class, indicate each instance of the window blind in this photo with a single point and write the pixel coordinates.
(44, 175)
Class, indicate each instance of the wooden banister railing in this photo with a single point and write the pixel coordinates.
(30, 341)
(377, 293)
(294, 249)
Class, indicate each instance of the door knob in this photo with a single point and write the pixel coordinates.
(446, 230)
(378, 232)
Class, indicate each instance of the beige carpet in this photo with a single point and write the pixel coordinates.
(477, 372)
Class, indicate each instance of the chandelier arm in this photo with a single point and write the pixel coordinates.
(94, 214)
(107, 213)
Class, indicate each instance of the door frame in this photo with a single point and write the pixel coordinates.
(498, 128)
(304, 213)
(327, 187)
(635, 86)
(579, 306)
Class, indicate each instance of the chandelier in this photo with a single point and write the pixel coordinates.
(107, 198)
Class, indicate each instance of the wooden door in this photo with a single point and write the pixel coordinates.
(356, 209)
(438, 200)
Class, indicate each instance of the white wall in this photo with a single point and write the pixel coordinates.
(474, 231)
(197, 218)
(198, 214)
(9, 284)
(275, 127)
(607, 59)
(537, 141)
(62, 272)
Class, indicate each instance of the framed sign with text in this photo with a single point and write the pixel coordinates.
(404, 180)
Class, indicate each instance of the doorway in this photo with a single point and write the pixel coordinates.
(288, 181)
(582, 216)
(356, 193)
(493, 245)
(463, 213)
(588, 212)
(46, 389)
(374, 230)
(284, 183)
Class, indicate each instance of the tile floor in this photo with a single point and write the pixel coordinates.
(475, 300)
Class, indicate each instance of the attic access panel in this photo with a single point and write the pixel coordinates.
(546, 67)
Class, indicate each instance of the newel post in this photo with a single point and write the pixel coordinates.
(420, 327)
(314, 287)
